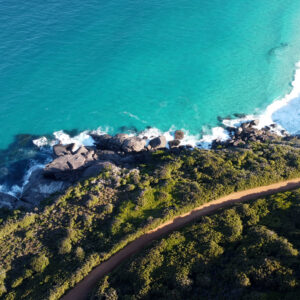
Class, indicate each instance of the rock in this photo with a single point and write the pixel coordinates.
(245, 125)
(158, 142)
(134, 144)
(129, 159)
(174, 143)
(95, 169)
(252, 139)
(63, 167)
(117, 141)
(82, 150)
(39, 188)
(108, 155)
(239, 130)
(254, 122)
(102, 141)
(65, 163)
(179, 135)
(60, 150)
(7, 200)
(74, 162)
(238, 143)
(230, 129)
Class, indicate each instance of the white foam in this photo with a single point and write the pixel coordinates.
(16, 190)
(217, 133)
(41, 142)
(285, 112)
(34, 166)
(82, 139)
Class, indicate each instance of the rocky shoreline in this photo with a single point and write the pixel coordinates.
(69, 165)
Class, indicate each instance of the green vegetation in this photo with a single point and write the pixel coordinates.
(248, 251)
(46, 252)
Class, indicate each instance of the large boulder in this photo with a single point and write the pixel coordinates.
(134, 144)
(102, 141)
(179, 135)
(158, 142)
(60, 150)
(39, 188)
(174, 143)
(117, 141)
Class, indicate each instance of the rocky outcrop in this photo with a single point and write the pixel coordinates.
(66, 166)
(39, 188)
(70, 165)
(119, 142)
(243, 135)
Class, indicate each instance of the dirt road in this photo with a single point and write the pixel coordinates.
(80, 291)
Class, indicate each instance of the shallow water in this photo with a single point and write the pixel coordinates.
(141, 63)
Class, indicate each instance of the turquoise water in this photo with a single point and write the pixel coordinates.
(84, 64)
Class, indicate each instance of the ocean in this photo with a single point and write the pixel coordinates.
(129, 65)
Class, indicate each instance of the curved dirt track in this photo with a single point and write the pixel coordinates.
(81, 290)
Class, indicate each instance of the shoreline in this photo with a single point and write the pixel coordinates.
(72, 163)
(270, 117)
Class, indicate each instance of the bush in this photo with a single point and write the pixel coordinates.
(2, 289)
(17, 282)
(2, 275)
(79, 253)
(39, 263)
(65, 246)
